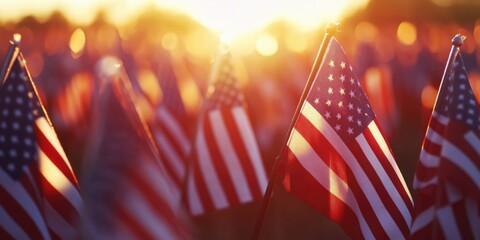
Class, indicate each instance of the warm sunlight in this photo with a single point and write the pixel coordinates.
(250, 15)
(233, 17)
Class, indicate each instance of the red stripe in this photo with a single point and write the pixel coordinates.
(462, 221)
(332, 158)
(132, 224)
(156, 201)
(431, 147)
(167, 164)
(219, 163)
(456, 135)
(241, 151)
(382, 192)
(301, 184)
(201, 186)
(171, 135)
(425, 173)
(53, 235)
(396, 179)
(17, 213)
(55, 157)
(4, 234)
(459, 178)
(430, 231)
(58, 202)
(436, 125)
(176, 146)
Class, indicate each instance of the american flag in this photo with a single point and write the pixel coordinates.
(39, 192)
(447, 180)
(170, 127)
(127, 193)
(338, 161)
(227, 168)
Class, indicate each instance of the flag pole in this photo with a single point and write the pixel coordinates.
(457, 42)
(330, 31)
(11, 55)
(126, 86)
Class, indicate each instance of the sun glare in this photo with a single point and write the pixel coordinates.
(231, 17)
(267, 45)
(237, 17)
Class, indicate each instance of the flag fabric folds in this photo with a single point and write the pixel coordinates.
(39, 194)
(447, 180)
(170, 127)
(226, 168)
(338, 161)
(127, 195)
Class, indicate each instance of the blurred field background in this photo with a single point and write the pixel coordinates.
(398, 50)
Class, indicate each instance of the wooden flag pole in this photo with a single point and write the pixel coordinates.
(330, 31)
(11, 55)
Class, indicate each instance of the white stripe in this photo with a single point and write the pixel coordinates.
(423, 219)
(434, 136)
(385, 179)
(8, 224)
(18, 193)
(229, 156)
(251, 145)
(440, 118)
(366, 186)
(471, 208)
(332, 182)
(473, 140)
(49, 133)
(194, 201)
(152, 174)
(386, 152)
(61, 183)
(176, 130)
(138, 208)
(208, 172)
(57, 223)
(457, 157)
(453, 194)
(171, 156)
(429, 160)
(417, 184)
(449, 226)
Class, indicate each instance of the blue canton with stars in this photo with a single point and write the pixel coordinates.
(18, 110)
(337, 95)
(226, 90)
(456, 99)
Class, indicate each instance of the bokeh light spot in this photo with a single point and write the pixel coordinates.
(267, 45)
(77, 42)
(407, 33)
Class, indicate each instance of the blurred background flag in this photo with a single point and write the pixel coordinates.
(447, 180)
(227, 169)
(338, 161)
(169, 128)
(127, 195)
(39, 192)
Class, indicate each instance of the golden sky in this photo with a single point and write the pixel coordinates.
(218, 15)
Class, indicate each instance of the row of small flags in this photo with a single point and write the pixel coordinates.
(145, 177)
